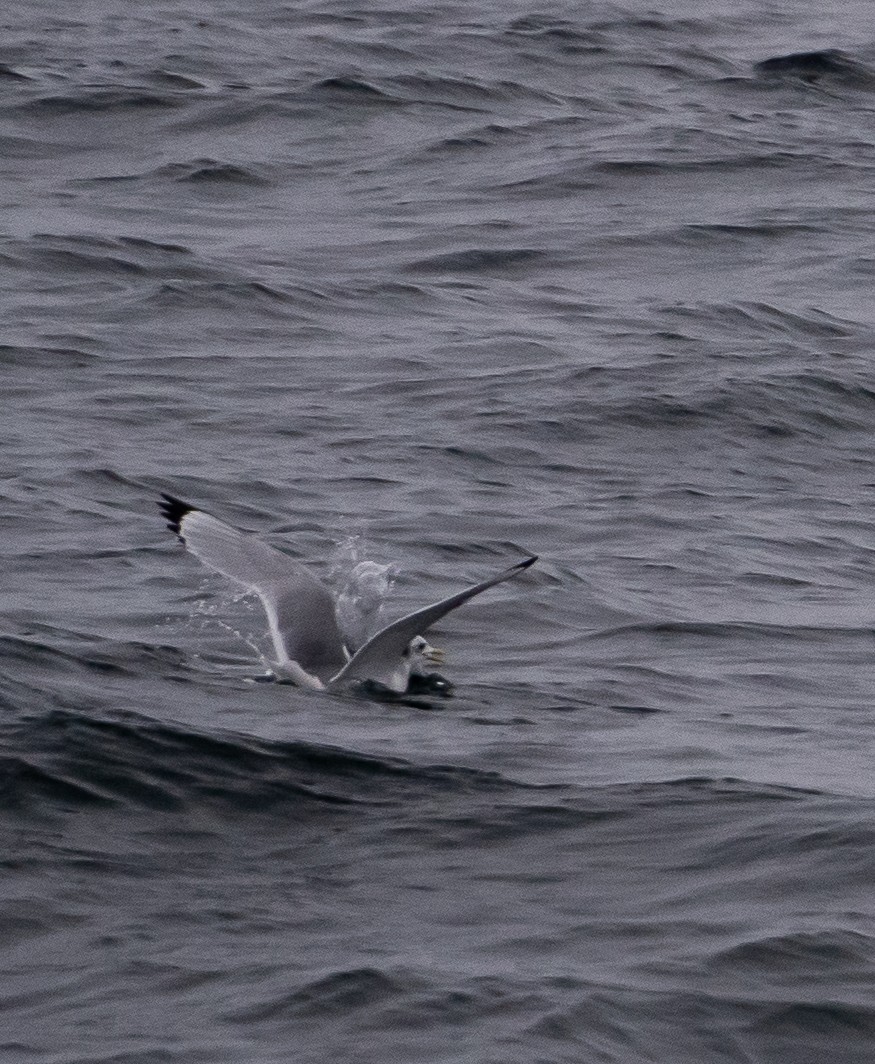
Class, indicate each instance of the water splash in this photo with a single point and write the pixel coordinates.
(360, 600)
(222, 611)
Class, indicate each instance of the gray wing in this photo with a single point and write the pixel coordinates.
(300, 609)
(380, 657)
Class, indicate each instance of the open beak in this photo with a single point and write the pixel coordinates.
(433, 655)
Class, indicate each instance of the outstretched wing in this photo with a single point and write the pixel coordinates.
(383, 654)
(300, 609)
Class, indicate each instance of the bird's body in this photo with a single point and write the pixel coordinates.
(309, 647)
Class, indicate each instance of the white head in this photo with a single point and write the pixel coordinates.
(421, 655)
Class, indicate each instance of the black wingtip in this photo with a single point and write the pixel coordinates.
(174, 510)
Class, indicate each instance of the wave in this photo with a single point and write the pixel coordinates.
(754, 631)
(348, 88)
(339, 992)
(468, 93)
(807, 403)
(763, 319)
(36, 356)
(201, 171)
(558, 33)
(578, 1013)
(722, 237)
(66, 757)
(479, 260)
(75, 253)
(238, 295)
(563, 178)
(744, 162)
(828, 66)
(421, 88)
(100, 99)
(644, 1023)
(477, 137)
(11, 74)
(815, 949)
(211, 171)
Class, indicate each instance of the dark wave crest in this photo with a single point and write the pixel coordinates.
(99, 100)
(66, 757)
(827, 66)
(480, 260)
(214, 171)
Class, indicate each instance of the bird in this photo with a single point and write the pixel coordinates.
(310, 649)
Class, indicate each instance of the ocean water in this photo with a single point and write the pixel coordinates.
(437, 285)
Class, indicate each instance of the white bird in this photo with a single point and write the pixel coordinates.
(301, 612)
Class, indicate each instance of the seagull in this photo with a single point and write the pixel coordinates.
(309, 648)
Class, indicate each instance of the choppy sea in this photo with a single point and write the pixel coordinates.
(435, 285)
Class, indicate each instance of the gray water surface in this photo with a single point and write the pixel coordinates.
(438, 286)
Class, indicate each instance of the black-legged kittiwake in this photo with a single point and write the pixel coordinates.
(310, 649)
